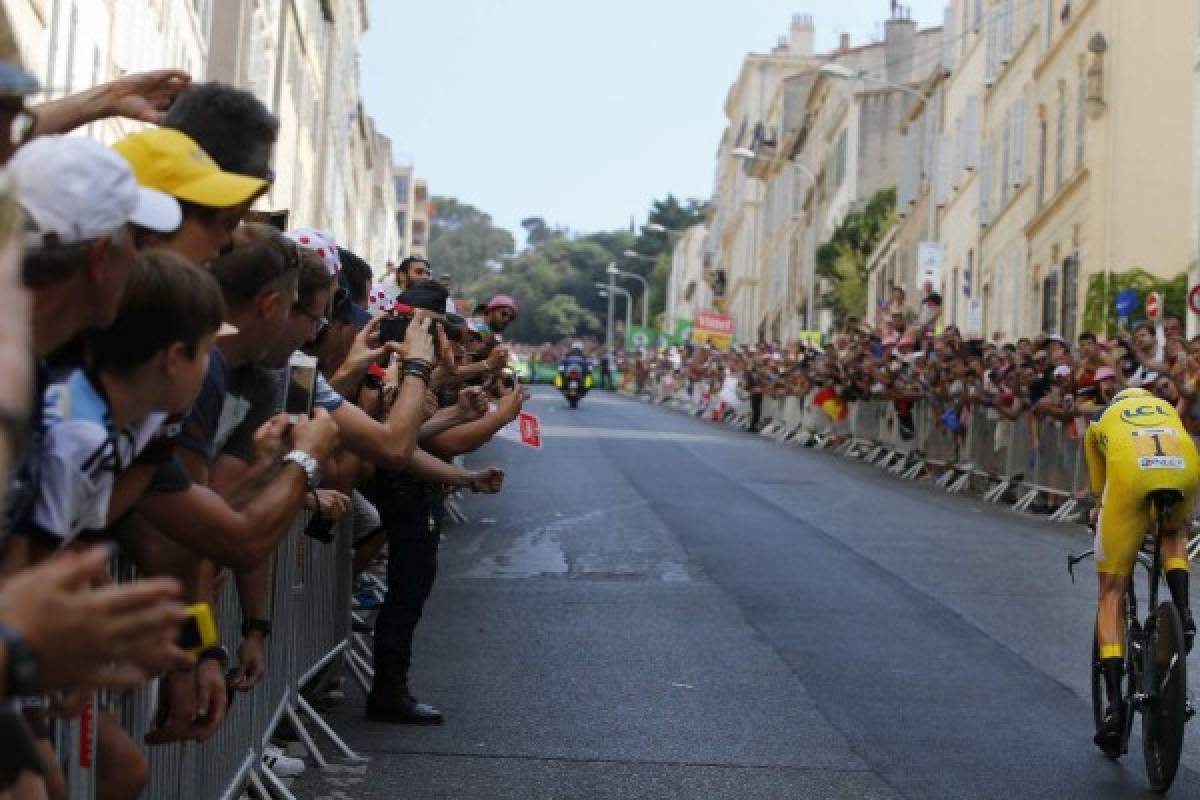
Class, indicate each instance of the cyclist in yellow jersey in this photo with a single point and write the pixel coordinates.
(1138, 445)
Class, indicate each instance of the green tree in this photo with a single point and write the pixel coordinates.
(842, 261)
(561, 317)
(556, 266)
(463, 241)
(537, 232)
(1099, 305)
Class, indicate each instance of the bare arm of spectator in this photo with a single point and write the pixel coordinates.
(202, 520)
(432, 469)
(392, 442)
(473, 435)
(367, 349)
(496, 360)
(472, 405)
(142, 96)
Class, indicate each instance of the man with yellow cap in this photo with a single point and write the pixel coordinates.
(213, 201)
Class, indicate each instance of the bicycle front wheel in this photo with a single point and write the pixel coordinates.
(1166, 683)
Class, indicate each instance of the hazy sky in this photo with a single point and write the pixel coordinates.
(579, 111)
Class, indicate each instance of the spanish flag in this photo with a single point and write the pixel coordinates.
(828, 401)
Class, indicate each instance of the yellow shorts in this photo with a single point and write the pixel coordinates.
(1126, 516)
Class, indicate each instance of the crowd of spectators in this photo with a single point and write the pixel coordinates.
(147, 322)
(911, 355)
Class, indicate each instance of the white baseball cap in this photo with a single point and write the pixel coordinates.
(78, 189)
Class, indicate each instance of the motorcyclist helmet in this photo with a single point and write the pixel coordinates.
(576, 348)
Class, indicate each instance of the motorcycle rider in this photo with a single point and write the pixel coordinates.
(575, 358)
(574, 374)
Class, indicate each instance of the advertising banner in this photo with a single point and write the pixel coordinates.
(713, 329)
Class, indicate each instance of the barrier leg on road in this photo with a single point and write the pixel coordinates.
(305, 736)
(323, 726)
(276, 783)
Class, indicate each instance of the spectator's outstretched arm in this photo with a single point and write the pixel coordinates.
(473, 435)
(389, 444)
(142, 96)
(432, 469)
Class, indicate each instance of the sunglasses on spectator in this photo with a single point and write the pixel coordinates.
(320, 321)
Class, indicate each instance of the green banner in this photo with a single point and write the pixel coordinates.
(637, 337)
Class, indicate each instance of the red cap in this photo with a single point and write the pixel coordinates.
(502, 301)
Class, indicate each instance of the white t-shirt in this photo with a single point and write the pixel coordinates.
(82, 453)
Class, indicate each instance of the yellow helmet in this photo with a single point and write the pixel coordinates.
(1127, 394)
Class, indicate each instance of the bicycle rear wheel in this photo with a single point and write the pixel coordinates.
(1166, 681)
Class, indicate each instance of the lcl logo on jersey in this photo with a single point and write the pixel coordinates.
(1144, 414)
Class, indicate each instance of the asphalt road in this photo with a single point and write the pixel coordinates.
(657, 607)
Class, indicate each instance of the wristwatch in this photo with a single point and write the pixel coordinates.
(251, 624)
(312, 469)
(217, 653)
(22, 664)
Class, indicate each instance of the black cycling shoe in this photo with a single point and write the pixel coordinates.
(1189, 629)
(1108, 738)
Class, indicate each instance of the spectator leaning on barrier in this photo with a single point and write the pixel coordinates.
(411, 510)
(257, 279)
(213, 201)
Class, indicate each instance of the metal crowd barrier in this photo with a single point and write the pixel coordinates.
(1029, 463)
(310, 614)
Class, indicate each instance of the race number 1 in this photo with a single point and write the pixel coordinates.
(1158, 448)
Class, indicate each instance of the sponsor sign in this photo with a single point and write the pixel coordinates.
(712, 328)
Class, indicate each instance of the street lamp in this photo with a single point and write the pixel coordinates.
(746, 154)
(612, 270)
(611, 290)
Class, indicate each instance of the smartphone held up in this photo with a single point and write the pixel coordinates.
(301, 382)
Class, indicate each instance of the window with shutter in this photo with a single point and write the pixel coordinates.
(1006, 158)
(985, 179)
(1080, 118)
(960, 153)
(1047, 23)
(990, 58)
(948, 39)
(1070, 296)
(1050, 303)
(972, 132)
(945, 169)
(927, 134)
(1006, 31)
(1060, 144)
(1043, 135)
(1018, 176)
(1017, 291)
